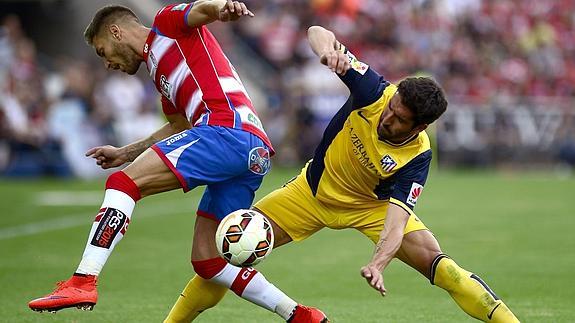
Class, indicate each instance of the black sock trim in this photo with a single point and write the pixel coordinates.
(81, 275)
(490, 315)
(434, 264)
(479, 280)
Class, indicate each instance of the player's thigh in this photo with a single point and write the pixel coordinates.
(294, 211)
(371, 221)
(151, 174)
(418, 250)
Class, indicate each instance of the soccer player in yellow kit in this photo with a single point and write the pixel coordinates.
(368, 172)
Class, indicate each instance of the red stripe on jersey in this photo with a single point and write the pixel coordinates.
(147, 45)
(242, 280)
(185, 92)
(207, 64)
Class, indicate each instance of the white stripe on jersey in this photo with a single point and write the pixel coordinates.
(177, 77)
(159, 47)
(230, 84)
(193, 104)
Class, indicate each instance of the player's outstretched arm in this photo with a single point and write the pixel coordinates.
(325, 45)
(110, 156)
(204, 12)
(389, 242)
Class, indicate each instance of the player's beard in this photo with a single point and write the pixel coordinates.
(131, 61)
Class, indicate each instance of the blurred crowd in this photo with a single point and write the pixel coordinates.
(53, 109)
(481, 51)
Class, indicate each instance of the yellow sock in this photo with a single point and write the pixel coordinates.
(470, 292)
(199, 295)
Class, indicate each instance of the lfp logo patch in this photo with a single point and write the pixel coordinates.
(414, 193)
(259, 161)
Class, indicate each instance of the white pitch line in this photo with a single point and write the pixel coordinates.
(77, 220)
(67, 198)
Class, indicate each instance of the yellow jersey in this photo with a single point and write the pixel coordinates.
(352, 167)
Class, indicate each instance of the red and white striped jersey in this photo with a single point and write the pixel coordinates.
(195, 77)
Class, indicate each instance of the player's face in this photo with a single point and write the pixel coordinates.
(117, 55)
(396, 123)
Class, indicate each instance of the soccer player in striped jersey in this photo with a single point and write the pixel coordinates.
(368, 173)
(213, 137)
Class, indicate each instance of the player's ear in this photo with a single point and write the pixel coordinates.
(115, 31)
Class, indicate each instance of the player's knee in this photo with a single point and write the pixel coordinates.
(121, 182)
(447, 274)
(209, 268)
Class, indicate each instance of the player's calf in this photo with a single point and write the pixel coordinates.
(251, 285)
(469, 291)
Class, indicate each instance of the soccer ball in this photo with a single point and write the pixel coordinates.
(244, 238)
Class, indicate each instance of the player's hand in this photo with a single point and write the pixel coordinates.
(336, 60)
(107, 156)
(233, 10)
(374, 278)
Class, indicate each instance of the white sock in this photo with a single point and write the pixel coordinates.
(251, 285)
(107, 230)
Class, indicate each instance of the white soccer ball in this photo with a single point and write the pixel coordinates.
(244, 238)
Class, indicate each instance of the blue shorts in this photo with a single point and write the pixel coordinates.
(230, 162)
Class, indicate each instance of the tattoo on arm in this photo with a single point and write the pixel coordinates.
(138, 148)
(379, 246)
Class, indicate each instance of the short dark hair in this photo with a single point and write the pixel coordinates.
(106, 16)
(424, 97)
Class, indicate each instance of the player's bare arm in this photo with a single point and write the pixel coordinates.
(110, 156)
(328, 48)
(389, 242)
(204, 12)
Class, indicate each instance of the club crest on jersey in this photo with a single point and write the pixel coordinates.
(165, 86)
(387, 163)
(259, 161)
(414, 193)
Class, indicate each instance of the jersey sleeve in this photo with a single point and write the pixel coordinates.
(168, 107)
(365, 84)
(171, 21)
(410, 180)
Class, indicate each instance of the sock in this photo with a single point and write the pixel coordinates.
(110, 224)
(469, 292)
(198, 296)
(247, 283)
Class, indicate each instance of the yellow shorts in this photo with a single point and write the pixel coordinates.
(295, 209)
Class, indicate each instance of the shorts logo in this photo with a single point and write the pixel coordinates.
(112, 221)
(165, 86)
(259, 161)
(175, 138)
(414, 193)
(387, 163)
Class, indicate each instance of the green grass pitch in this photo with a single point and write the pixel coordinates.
(513, 230)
